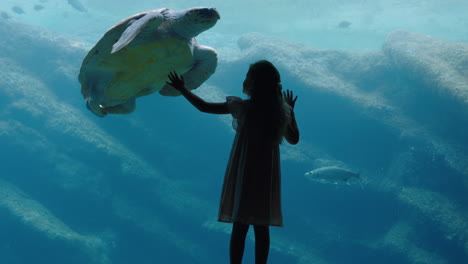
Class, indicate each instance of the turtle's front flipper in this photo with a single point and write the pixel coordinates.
(205, 62)
(151, 20)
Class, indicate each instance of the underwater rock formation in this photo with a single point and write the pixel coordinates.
(431, 83)
(33, 214)
(437, 64)
(95, 189)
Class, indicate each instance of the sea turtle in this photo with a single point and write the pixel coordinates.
(134, 57)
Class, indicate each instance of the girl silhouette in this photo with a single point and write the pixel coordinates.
(251, 193)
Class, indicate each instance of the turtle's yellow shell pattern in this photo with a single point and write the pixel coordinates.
(143, 69)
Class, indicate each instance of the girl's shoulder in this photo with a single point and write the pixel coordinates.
(236, 105)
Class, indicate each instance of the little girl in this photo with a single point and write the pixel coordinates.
(251, 192)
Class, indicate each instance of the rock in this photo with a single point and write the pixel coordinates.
(437, 64)
(430, 82)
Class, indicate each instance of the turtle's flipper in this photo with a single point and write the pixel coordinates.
(205, 62)
(152, 20)
(168, 90)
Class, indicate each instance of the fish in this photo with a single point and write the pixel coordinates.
(18, 10)
(333, 175)
(77, 5)
(38, 7)
(4, 15)
(344, 24)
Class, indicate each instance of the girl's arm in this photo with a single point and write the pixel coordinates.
(206, 107)
(292, 131)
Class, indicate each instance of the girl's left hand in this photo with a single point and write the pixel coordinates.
(289, 98)
(177, 82)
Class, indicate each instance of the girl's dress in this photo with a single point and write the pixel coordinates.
(252, 184)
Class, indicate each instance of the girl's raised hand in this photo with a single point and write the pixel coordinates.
(177, 82)
(288, 97)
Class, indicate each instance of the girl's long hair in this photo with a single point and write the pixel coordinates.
(267, 114)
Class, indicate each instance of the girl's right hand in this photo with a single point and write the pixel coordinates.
(177, 82)
(288, 97)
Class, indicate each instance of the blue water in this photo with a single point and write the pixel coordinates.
(145, 187)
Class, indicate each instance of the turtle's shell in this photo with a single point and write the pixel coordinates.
(140, 68)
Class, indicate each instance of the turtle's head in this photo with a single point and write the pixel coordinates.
(193, 21)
